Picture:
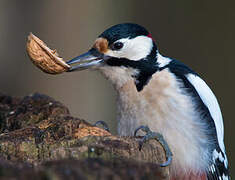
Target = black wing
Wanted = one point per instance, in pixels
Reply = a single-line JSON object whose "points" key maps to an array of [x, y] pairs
{"points": [[218, 170]]}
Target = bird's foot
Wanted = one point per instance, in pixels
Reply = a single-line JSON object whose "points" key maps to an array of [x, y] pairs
{"points": [[103, 124], [157, 136]]}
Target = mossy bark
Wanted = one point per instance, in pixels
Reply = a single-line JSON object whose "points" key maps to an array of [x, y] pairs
{"points": [[39, 137]]}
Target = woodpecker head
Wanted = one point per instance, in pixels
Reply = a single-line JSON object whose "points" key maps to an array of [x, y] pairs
{"points": [[127, 47]]}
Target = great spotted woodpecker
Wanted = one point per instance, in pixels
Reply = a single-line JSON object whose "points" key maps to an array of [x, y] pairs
{"points": [[163, 94]]}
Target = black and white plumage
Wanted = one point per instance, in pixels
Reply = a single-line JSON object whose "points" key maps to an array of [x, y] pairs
{"points": [[165, 95], [208, 106]]}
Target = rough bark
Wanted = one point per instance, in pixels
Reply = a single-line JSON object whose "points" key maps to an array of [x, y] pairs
{"points": [[40, 138]]}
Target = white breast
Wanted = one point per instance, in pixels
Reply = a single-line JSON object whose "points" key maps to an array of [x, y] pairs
{"points": [[166, 109]]}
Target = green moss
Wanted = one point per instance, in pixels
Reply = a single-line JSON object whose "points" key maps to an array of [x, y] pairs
{"points": [[29, 151]]}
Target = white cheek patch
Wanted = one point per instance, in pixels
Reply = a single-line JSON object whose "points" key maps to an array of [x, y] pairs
{"points": [[133, 49]]}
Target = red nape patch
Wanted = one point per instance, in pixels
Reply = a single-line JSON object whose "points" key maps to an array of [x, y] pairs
{"points": [[150, 36]]}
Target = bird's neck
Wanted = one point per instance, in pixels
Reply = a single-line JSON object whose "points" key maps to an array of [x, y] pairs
{"points": [[119, 76], [120, 71]]}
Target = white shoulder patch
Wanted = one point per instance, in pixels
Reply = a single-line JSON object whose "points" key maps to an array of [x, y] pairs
{"points": [[210, 101], [163, 61]]}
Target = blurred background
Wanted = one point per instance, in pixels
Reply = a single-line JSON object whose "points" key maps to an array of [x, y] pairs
{"points": [[199, 33]]}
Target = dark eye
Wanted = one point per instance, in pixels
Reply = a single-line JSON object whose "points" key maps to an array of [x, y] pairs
{"points": [[117, 45]]}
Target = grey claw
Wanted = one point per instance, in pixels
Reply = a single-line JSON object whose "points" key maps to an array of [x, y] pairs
{"points": [[104, 125], [143, 128], [167, 163], [157, 136]]}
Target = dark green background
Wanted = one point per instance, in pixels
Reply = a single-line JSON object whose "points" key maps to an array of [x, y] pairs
{"points": [[199, 33]]}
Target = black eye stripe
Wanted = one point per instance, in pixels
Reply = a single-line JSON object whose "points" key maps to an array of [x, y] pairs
{"points": [[117, 46]]}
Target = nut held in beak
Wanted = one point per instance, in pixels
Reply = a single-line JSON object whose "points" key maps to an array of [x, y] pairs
{"points": [[43, 57]]}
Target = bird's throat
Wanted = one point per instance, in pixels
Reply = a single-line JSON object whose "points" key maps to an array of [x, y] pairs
{"points": [[141, 71]]}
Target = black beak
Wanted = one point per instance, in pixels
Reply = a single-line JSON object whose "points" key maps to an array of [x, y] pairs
{"points": [[87, 60]]}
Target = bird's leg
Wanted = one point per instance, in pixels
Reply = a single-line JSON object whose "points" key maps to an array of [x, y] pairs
{"points": [[103, 124], [157, 136]]}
